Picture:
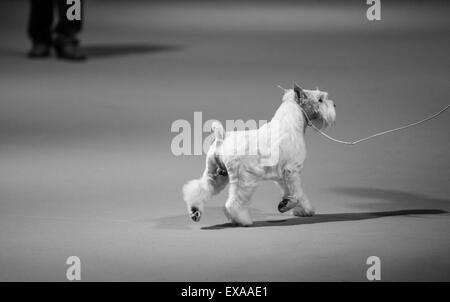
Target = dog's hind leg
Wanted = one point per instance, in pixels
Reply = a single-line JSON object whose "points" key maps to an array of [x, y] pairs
{"points": [[214, 179], [198, 191]]}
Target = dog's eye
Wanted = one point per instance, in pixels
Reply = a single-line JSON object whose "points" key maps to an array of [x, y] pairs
{"points": [[320, 100]]}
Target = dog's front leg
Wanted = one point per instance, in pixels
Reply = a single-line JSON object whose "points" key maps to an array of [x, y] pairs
{"points": [[296, 199], [283, 188], [304, 209]]}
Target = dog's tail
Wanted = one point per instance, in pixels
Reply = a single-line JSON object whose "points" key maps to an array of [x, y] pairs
{"points": [[219, 131]]}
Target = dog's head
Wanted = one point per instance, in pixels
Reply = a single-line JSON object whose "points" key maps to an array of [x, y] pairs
{"points": [[315, 104]]}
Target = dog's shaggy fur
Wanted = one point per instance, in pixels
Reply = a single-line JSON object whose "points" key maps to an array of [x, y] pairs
{"points": [[239, 158]]}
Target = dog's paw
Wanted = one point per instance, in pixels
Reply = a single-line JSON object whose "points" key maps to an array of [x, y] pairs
{"points": [[241, 222], [244, 224], [238, 218], [195, 214], [302, 212], [287, 204]]}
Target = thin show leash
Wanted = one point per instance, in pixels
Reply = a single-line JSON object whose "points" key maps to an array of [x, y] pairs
{"points": [[376, 134]]}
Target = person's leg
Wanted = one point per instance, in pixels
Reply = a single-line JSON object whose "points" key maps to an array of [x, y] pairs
{"points": [[65, 28], [67, 41], [39, 27]]}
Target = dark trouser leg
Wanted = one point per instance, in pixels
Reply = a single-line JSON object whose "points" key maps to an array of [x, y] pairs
{"points": [[67, 29], [40, 21], [66, 43]]}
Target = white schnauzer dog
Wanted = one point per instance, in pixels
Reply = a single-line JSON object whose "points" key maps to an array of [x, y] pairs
{"points": [[239, 158]]}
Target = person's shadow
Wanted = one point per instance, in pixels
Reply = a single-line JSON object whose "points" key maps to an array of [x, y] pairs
{"points": [[107, 50], [110, 50]]}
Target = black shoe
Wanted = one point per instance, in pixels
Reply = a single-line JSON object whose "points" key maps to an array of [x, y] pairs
{"points": [[69, 50], [39, 51]]}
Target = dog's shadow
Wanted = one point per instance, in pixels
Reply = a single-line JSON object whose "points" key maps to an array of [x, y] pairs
{"points": [[404, 203], [391, 198], [321, 218]]}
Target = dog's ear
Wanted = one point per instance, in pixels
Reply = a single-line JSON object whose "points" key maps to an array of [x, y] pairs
{"points": [[300, 94]]}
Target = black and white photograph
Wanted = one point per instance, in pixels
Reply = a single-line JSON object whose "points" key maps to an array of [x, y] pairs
{"points": [[206, 142]]}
